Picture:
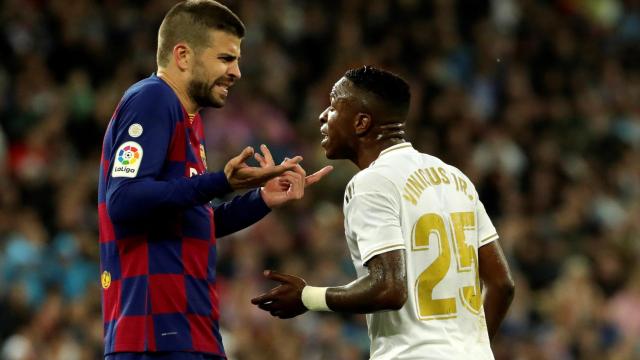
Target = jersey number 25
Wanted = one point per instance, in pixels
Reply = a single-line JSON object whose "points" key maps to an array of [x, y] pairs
{"points": [[466, 259]]}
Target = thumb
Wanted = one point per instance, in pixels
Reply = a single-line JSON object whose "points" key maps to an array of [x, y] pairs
{"points": [[276, 276]]}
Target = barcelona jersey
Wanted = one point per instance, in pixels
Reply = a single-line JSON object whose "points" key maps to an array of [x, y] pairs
{"points": [[157, 228]]}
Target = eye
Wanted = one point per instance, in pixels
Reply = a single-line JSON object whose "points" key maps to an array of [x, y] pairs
{"points": [[226, 59]]}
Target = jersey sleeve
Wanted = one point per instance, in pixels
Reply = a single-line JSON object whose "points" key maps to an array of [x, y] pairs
{"points": [[486, 231], [239, 213], [142, 132], [373, 215]]}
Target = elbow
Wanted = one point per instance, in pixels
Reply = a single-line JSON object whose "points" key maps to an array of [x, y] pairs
{"points": [[393, 296], [510, 289], [112, 209], [116, 208], [507, 288]]}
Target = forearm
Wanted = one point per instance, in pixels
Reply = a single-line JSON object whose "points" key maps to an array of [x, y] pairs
{"points": [[496, 303], [362, 296], [139, 199], [383, 288], [239, 213]]}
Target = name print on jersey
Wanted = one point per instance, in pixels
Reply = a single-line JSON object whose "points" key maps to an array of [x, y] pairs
{"points": [[128, 159], [421, 179]]}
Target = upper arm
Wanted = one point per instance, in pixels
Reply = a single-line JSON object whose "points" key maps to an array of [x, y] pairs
{"points": [[142, 133], [141, 136], [493, 266], [389, 268], [388, 273]]}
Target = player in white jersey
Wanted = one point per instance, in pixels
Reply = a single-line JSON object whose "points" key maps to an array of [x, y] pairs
{"points": [[421, 241]]}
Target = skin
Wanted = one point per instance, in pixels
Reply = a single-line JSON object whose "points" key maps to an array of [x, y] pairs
{"points": [[351, 133], [356, 127], [498, 285], [202, 79]]}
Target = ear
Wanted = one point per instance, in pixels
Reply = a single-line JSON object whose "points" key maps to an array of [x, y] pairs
{"points": [[182, 54], [362, 123]]}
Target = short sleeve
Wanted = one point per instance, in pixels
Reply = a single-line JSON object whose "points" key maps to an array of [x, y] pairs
{"points": [[486, 231], [373, 215]]}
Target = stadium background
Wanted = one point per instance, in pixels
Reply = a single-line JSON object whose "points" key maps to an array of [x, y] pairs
{"points": [[537, 101]]}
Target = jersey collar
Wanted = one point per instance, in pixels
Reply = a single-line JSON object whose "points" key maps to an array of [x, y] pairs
{"points": [[395, 147]]}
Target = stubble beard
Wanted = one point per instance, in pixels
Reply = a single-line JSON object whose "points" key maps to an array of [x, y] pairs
{"points": [[201, 93]]}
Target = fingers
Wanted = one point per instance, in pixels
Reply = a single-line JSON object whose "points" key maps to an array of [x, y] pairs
{"points": [[267, 297], [315, 177], [242, 157], [261, 160], [277, 276], [291, 162], [267, 154], [287, 165], [295, 186]]}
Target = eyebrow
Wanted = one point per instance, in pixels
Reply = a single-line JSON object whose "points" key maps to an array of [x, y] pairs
{"points": [[229, 56]]}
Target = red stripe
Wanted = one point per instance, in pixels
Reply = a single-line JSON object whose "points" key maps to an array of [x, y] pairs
{"points": [[105, 225]]}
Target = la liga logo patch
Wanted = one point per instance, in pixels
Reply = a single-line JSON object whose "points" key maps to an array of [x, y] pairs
{"points": [[128, 155], [128, 159]]}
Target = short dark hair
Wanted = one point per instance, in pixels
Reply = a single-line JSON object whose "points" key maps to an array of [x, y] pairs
{"points": [[392, 90], [190, 21]]}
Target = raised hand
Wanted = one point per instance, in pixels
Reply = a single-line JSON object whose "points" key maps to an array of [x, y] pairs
{"points": [[242, 176], [288, 186], [285, 300]]}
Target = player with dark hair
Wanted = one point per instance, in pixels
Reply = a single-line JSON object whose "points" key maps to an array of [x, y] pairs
{"points": [[157, 230], [422, 244]]}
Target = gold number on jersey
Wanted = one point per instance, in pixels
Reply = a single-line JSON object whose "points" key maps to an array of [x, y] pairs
{"points": [[467, 260], [429, 307]]}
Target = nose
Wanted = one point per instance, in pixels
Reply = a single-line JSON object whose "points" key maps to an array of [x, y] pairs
{"points": [[323, 116], [234, 70]]}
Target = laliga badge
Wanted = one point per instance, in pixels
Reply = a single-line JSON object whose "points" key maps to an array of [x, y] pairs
{"points": [[135, 130], [127, 160]]}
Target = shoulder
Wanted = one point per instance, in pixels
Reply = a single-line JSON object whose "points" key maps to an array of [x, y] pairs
{"points": [[372, 180], [150, 93]]}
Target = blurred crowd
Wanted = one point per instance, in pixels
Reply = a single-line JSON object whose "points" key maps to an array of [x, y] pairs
{"points": [[538, 101]]}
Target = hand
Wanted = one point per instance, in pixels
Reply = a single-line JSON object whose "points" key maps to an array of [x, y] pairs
{"points": [[285, 300], [290, 185], [242, 176]]}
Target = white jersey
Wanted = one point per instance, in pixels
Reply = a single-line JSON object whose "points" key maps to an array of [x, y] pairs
{"points": [[415, 202]]}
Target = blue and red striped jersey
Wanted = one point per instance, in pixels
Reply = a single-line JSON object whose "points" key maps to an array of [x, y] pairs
{"points": [[157, 228]]}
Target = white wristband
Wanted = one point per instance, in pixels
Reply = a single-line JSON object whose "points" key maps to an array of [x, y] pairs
{"points": [[315, 298]]}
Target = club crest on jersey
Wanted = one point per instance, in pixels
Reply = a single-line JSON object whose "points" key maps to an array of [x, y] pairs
{"points": [[128, 159], [105, 279]]}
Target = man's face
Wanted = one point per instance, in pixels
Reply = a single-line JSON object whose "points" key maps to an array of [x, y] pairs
{"points": [[215, 70], [336, 122]]}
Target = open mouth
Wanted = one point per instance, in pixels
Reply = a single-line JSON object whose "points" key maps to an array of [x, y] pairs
{"points": [[223, 88], [325, 136]]}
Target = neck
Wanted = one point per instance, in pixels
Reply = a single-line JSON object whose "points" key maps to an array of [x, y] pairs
{"points": [[369, 152], [179, 88]]}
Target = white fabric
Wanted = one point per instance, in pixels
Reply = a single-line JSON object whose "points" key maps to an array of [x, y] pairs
{"points": [[381, 212], [315, 298]]}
